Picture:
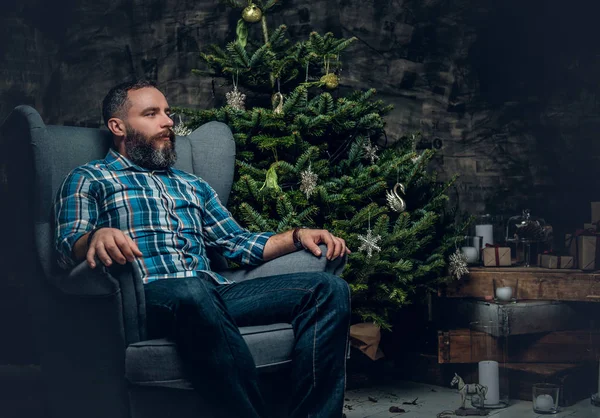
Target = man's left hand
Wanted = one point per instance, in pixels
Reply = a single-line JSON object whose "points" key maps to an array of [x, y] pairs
{"points": [[311, 238]]}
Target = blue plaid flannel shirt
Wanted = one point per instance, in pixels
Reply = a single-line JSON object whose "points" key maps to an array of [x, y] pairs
{"points": [[171, 215]]}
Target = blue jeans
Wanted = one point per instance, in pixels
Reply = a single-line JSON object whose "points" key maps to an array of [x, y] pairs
{"points": [[203, 319]]}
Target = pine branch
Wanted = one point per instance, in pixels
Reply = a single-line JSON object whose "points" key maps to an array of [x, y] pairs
{"points": [[254, 220]]}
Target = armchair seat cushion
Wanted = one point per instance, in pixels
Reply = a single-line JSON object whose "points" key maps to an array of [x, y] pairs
{"points": [[157, 363]]}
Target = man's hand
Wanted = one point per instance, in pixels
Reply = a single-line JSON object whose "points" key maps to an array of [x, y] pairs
{"points": [[111, 244], [311, 238]]}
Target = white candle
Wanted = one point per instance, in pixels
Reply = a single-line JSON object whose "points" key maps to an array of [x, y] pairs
{"points": [[470, 253], [504, 293], [488, 376], [544, 402], [477, 243], [487, 232]]}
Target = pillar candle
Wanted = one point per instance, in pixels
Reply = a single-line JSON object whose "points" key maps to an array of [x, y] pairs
{"points": [[487, 232], [488, 376]]}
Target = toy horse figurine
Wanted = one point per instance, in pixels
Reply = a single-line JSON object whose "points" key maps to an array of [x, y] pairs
{"points": [[468, 389]]}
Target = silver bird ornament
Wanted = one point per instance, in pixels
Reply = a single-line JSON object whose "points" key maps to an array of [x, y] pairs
{"points": [[395, 202]]}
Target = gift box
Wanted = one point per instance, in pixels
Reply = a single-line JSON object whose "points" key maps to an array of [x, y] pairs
{"points": [[553, 261], [570, 246], [595, 212], [585, 249], [496, 256]]}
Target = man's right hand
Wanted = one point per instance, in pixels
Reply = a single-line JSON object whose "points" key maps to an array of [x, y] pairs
{"points": [[110, 245]]}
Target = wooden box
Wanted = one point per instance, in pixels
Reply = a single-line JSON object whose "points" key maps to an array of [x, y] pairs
{"points": [[576, 380], [532, 283], [523, 317], [458, 346]]}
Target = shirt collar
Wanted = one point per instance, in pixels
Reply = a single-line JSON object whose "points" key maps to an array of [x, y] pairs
{"points": [[118, 162]]}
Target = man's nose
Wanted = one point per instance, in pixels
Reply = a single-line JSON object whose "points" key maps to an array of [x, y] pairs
{"points": [[168, 121]]}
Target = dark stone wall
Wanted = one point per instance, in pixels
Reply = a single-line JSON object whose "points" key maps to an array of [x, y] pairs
{"points": [[508, 91]]}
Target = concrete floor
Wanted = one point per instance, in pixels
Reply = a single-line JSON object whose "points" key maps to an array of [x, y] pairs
{"points": [[20, 393], [433, 400]]}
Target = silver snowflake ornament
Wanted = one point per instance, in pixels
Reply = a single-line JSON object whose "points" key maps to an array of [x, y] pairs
{"points": [[180, 129], [236, 99], [369, 243], [370, 152], [308, 182], [458, 265]]}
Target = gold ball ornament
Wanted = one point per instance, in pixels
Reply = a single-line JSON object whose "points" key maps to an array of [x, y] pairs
{"points": [[252, 13], [330, 80]]}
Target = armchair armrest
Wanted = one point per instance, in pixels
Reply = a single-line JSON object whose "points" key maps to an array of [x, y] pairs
{"points": [[85, 281], [89, 317], [297, 262], [123, 282]]}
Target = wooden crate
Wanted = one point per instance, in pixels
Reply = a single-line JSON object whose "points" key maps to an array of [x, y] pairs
{"points": [[534, 283], [523, 317], [456, 346], [577, 381]]}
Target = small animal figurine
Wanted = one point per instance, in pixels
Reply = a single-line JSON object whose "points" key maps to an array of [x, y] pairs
{"points": [[468, 389]]}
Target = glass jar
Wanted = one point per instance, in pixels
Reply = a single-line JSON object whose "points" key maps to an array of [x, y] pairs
{"points": [[524, 232]]}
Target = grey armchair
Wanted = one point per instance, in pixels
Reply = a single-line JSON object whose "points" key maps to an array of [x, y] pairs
{"points": [[90, 324]]}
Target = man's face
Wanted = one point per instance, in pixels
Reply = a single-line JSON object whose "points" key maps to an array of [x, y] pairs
{"points": [[149, 139]]}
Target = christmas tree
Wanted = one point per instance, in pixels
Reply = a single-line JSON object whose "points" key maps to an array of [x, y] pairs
{"points": [[309, 156]]}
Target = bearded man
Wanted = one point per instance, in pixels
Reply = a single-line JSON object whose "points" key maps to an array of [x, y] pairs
{"points": [[134, 207]]}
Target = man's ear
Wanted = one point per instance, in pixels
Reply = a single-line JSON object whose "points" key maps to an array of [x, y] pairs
{"points": [[117, 127]]}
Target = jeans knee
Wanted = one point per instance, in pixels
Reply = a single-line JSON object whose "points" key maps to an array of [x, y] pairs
{"points": [[195, 304], [336, 290]]}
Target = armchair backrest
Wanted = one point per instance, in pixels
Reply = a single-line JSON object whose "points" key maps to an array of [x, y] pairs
{"points": [[53, 151]]}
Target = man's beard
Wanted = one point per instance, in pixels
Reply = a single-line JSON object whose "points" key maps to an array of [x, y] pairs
{"points": [[142, 150]]}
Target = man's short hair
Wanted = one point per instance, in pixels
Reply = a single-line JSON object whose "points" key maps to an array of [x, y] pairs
{"points": [[115, 104]]}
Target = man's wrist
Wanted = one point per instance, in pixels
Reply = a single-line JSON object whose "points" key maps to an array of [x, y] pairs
{"points": [[91, 235], [296, 239]]}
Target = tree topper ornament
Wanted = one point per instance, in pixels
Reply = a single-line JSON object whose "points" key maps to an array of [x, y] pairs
{"points": [[251, 13]]}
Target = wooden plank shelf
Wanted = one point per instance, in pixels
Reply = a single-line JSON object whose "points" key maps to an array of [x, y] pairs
{"points": [[531, 283], [463, 346]]}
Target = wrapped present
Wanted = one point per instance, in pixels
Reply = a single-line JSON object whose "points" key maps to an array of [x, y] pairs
{"points": [[584, 246], [570, 246], [595, 212], [495, 256], [555, 261]]}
